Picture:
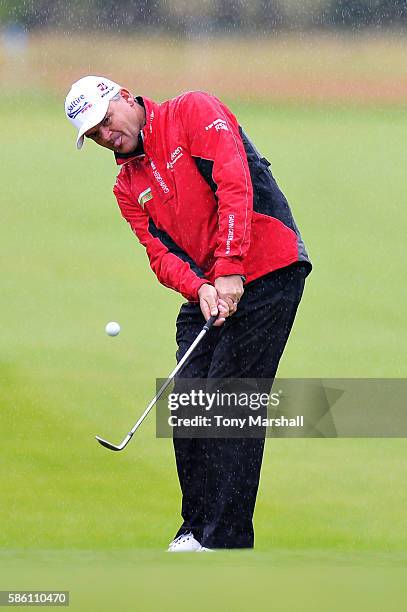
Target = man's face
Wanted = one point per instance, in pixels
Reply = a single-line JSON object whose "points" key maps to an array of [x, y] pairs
{"points": [[119, 129]]}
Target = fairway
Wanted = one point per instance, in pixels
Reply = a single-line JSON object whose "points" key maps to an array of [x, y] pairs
{"points": [[74, 515], [152, 580]]}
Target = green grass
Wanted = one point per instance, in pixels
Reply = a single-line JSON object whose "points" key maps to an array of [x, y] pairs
{"points": [[150, 580], [69, 509]]}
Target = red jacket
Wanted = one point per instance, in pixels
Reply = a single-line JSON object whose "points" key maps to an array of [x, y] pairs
{"points": [[187, 193]]}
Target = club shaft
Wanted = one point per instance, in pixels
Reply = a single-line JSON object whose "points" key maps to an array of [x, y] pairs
{"points": [[155, 399], [169, 379]]}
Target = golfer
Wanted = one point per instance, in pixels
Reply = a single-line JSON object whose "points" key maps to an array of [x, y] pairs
{"points": [[203, 202]]}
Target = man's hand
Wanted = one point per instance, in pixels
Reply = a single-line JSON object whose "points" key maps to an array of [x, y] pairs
{"points": [[230, 290], [211, 304]]}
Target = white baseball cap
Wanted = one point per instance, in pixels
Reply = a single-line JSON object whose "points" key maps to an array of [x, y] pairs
{"points": [[87, 102]]}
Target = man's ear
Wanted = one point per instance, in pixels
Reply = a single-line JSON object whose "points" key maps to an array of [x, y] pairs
{"points": [[127, 96]]}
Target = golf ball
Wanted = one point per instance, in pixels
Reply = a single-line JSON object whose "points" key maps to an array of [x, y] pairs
{"points": [[112, 328]]}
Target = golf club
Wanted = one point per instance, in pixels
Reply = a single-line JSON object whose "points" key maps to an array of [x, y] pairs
{"points": [[155, 399]]}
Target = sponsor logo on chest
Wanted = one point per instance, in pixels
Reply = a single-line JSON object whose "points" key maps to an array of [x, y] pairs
{"points": [[175, 155], [159, 178], [144, 197]]}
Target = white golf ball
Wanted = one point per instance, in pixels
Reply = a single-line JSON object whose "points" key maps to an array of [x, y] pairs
{"points": [[112, 328]]}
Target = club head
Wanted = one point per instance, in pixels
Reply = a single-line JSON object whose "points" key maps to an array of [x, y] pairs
{"points": [[107, 444]]}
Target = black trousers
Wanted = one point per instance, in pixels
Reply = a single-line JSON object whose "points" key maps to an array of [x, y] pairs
{"points": [[219, 478]]}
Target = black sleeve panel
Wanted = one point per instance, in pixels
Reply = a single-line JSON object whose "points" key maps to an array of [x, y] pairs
{"points": [[205, 167]]}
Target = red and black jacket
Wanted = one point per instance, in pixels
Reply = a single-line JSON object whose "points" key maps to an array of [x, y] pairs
{"points": [[201, 199]]}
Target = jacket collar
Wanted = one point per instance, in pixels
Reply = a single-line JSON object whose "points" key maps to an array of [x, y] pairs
{"points": [[144, 135]]}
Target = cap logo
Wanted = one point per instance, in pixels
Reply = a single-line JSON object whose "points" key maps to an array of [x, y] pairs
{"points": [[76, 111], [104, 89], [72, 111]]}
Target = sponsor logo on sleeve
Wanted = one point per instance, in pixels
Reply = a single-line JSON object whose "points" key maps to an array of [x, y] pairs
{"points": [[231, 233], [218, 124]]}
